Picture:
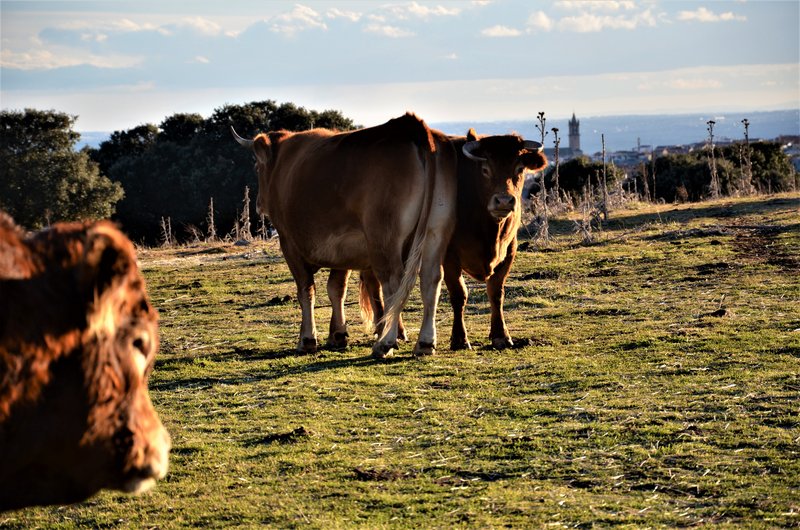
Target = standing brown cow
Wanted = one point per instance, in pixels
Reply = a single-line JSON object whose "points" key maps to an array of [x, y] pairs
{"points": [[380, 198], [484, 242], [78, 338]]}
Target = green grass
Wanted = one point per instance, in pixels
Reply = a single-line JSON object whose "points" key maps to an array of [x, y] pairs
{"points": [[631, 399]]}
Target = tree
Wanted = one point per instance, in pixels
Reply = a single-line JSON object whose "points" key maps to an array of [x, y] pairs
{"points": [[44, 178], [132, 142], [578, 173], [180, 128], [174, 170]]}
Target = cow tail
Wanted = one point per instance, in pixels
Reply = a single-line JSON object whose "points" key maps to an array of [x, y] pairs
{"points": [[395, 304], [365, 304]]}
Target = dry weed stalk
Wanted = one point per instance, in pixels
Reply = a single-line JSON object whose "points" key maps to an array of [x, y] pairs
{"points": [[167, 238]]}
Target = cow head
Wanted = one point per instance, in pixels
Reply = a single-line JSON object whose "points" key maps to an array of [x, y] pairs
{"points": [[78, 417], [121, 344], [262, 149], [503, 160]]}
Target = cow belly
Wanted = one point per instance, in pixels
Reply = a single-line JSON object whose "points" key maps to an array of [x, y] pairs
{"points": [[345, 250], [481, 265]]}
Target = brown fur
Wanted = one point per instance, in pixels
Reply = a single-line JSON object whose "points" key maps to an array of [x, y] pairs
{"points": [[484, 245], [379, 198], [78, 338]]}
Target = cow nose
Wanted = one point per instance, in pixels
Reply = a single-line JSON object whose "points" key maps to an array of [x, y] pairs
{"points": [[504, 202]]}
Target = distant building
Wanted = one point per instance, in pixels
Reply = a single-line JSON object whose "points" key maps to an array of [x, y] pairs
{"points": [[574, 134], [574, 148]]}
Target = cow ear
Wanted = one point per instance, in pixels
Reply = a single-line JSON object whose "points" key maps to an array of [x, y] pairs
{"points": [[262, 148], [472, 135], [107, 255], [534, 160]]}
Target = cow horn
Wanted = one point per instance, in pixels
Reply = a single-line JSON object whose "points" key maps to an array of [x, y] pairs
{"points": [[242, 141], [530, 145], [469, 149]]}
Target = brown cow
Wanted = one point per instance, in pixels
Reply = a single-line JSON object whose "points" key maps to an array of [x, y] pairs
{"points": [[380, 198], [78, 338], [484, 242]]}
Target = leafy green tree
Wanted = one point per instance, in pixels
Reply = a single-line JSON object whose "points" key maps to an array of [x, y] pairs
{"points": [[576, 174], [175, 169], [132, 142], [686, 177], [180, 128], [44, 179]]}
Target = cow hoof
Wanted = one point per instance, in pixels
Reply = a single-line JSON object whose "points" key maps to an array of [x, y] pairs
{"points": [[382, 351], [338, 340], [307, 345], [460, 345], [501, 343], [422, 349]]}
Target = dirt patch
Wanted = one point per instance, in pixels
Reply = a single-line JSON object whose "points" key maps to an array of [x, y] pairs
{"points": [[760, 243]]}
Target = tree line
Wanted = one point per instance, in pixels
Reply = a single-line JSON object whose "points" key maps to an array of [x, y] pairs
{"points": [[142, 175], [186, 173]]}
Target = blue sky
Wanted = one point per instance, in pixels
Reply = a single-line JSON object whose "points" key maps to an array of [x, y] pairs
{"points": [[120, 63]]}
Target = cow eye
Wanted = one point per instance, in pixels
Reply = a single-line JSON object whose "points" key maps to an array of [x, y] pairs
{"points": [[486, 171], [138, 344], [141, 346]]}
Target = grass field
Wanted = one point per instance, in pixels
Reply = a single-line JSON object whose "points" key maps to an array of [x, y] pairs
{"points": [[655, 383]]}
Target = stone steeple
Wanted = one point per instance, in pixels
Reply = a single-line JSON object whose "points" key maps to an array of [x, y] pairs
{"points": [[574, 134]]}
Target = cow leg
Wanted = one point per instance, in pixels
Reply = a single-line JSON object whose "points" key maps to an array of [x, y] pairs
{"points": [[304, 278], [430, 288], [373, 287], [457, 289], [389, 283], [495, 290], [337, 292]]}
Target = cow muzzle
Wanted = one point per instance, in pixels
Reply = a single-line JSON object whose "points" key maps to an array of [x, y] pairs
{"points": [[150, 463], [502, 205]]}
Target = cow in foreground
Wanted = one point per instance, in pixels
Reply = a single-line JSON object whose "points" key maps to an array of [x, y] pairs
{"points": [[380, 198], [78, 338], [484, 242]]}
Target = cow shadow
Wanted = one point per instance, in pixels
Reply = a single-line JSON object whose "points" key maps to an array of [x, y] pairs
{"points": [[321, 362]]}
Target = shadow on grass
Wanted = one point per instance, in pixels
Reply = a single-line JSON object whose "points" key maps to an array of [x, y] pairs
{"points": [[682, 214], [685, 213], [320, 364]]}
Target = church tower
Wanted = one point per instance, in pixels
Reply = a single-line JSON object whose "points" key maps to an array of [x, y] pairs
{"points": [[574, 134]]}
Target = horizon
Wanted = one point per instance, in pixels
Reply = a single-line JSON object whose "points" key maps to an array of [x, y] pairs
{"points": [[117, 65], [784, 122]]}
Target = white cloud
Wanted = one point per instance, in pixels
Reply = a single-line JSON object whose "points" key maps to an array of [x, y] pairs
{"points": [[703, 14], [96, 37], [694, 84], [203, 25], [36, 59], [501, 31], [404, 12], [352, 16], [438, 11], [596, 5], [540, 21], [298, 19], [451, 56], [127, 25], [588, 22], [388, 31], [199, 59]]}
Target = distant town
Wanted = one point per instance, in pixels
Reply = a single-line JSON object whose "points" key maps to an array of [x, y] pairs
{"points": [[643, 153], [631, 140]]}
